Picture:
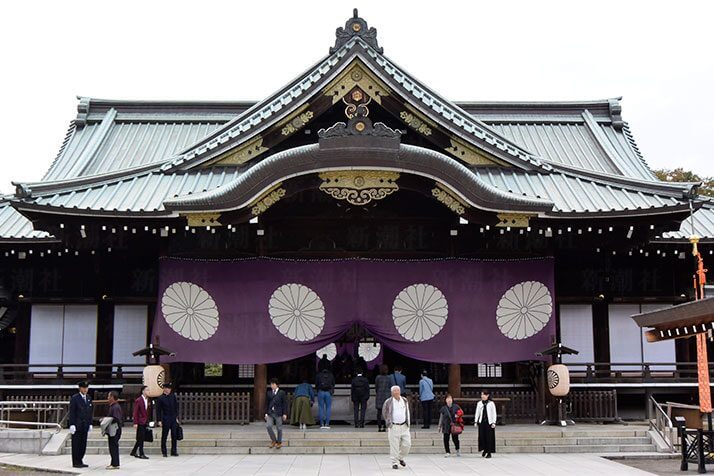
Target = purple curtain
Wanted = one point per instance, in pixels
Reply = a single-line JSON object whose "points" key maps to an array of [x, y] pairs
{"points": [[267, 310]]}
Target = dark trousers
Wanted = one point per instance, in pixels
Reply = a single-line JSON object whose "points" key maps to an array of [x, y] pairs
{"points": [[166, 427], [114, 448], [139, 445], [454, 438], [380, 420], [79, 447], [426, 411], [360, 409]]}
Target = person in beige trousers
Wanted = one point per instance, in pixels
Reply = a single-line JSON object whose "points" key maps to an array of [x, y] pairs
{"points": [[395, 412]]}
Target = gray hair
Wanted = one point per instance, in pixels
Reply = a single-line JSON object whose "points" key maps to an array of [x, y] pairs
{"points": [[395, 387]]}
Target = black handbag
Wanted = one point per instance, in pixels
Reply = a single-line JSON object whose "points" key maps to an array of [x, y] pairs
{"points": [[179, 432], [148, 435]]}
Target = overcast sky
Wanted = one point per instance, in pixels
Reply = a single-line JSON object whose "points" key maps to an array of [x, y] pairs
{"points": [[658, 55]]}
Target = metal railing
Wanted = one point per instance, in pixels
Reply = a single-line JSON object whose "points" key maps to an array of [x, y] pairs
{"points": [[661, 423], [37, 413]]}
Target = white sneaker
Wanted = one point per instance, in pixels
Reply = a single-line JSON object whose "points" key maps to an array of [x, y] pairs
{"points": [[322, 427], [327, 427], [447, 455], [458, 453]]}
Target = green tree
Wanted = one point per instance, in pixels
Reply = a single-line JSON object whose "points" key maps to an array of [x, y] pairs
{"points": [[681, 175]]}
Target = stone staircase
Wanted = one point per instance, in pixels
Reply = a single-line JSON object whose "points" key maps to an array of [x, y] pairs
{"points": [[344, 440]]}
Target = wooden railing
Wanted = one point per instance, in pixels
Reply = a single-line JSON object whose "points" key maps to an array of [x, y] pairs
{"points": [[63, 373], [592, 405], [634, 372], [229, 407]]}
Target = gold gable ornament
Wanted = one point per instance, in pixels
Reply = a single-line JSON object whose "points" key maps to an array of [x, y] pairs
{"points": [[359, 187], [448, 199]]}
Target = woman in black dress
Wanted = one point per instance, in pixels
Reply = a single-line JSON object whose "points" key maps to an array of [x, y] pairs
{"points": [[486, 422]]}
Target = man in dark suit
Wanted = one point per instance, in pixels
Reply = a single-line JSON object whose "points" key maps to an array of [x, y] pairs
{"points": [[80, 423], [276, 411], [167, 411], [359, 394], [142, 410]]}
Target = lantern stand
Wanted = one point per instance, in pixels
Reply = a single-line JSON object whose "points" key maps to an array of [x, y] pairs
{"points": [[153, 355], [556, 351]]}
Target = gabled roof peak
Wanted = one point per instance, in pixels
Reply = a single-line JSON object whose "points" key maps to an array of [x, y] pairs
{"points": [[356, 26]]}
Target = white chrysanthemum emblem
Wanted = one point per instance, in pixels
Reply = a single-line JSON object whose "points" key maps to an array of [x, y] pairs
{"points": [[297, 312], [420, 312], [190, 311], [330, 350], [369, 350], [524, 310]]}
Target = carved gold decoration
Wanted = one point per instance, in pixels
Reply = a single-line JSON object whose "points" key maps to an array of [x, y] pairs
{"points": [[203, 219], [514, 220], [448, 199], [243, 153], [468, 154], [357, 74], [415, 123], [269, 199], [359, 187], [297, 123]]}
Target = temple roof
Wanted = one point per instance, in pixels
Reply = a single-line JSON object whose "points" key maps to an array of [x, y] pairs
{"points": [[127, 157]]}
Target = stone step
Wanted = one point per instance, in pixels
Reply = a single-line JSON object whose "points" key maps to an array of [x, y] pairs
{"points": [[287, 450]]}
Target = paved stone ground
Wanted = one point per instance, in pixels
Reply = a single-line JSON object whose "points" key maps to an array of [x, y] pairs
{"points": [[669, 467], [329, 465]]}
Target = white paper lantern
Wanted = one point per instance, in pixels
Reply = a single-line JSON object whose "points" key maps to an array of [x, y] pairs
{"points": [[558, 380], [153, 377]]}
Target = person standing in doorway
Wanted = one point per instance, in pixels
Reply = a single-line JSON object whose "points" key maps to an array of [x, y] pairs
{"points": [[399, 379], [325, 383], [382, 384], [167, 408], [117, 420], [276, 412], [426, 396], [396, 416], [451, 423], [80, 423], [485, 419], [359, 393], [142, 410]]}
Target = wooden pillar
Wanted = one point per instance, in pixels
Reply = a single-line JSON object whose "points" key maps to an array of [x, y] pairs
{"points": [[260, 384], [455, 380], [22, 333]]}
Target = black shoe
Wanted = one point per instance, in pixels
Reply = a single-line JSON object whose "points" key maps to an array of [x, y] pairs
{"points": [[401, 461], [132, 454], [424, 427], [84, 465], [488, 455], [174, 454], [77, 466], [164, 455], [483, 454], [394, 466], [143, 457]]}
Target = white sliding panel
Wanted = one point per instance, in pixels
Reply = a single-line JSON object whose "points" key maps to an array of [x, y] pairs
{"points": [[46, 336], [662, 351], [80, 336], [129, 334], [576, 332], [625, 336]]}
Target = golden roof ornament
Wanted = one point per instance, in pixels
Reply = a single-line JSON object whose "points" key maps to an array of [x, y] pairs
{"points": [[356, 26]]}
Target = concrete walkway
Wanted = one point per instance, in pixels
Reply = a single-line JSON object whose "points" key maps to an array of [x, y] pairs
{"points": [[336, 465]]}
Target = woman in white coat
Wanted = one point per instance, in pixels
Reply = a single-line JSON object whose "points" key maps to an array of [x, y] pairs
{"points": [[486, 422]]}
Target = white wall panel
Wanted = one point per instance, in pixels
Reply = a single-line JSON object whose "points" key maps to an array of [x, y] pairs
{"points": [[46, 329], [663, 351], [130, 323], [625, 336], [576, 331], [80, 336]]}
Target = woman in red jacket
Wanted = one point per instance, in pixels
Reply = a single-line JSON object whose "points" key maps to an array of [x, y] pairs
{"points": [[142, 410]]}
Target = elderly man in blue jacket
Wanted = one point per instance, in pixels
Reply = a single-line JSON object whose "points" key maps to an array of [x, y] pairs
{"points": [[426, 396]]}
